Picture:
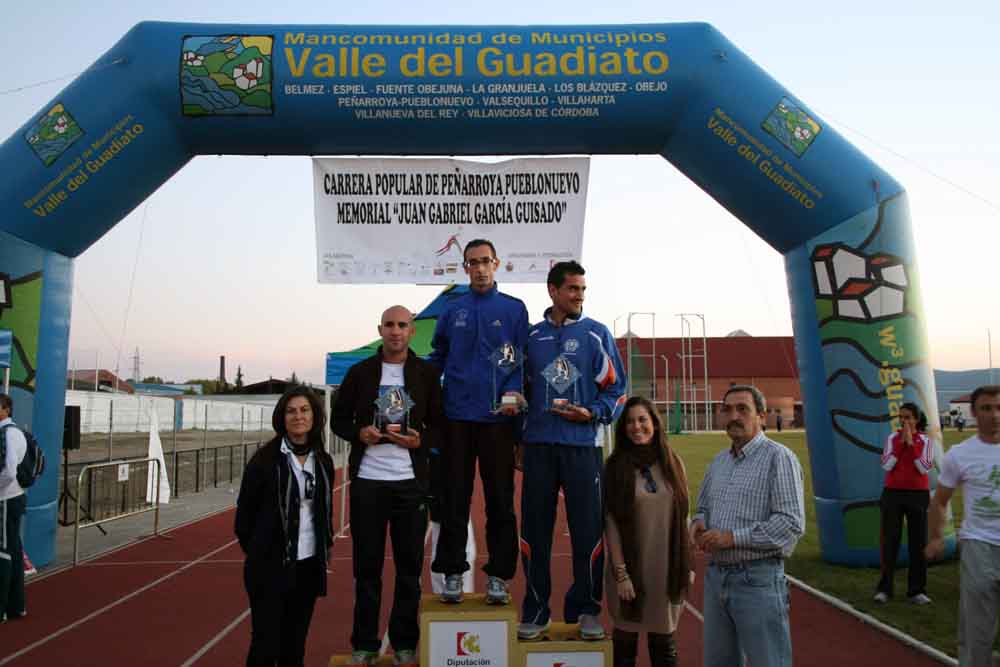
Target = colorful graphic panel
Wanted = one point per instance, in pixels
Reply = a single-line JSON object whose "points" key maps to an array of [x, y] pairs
{"points": [[53, 134], [227, 75]]}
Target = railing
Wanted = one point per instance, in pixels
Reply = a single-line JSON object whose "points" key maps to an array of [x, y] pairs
{"points": [[115, 491], [191, 471]]}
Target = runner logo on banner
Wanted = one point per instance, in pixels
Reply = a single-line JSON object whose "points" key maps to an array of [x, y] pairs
{"points": [[407, 221]]}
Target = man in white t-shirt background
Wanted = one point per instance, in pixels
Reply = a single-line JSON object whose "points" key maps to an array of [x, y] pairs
{"points": [[389, 408], [974, 464]]}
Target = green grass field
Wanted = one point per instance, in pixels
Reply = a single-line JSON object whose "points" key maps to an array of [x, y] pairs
{"points": [[936, 624]]}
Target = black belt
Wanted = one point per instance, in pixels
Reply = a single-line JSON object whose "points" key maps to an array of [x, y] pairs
{"points": [[746, 563]]}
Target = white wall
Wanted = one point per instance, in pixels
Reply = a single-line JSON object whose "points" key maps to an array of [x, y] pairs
{"points": [[131, 412]]}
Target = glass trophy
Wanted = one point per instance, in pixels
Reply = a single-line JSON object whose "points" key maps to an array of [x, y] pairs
{"points": [[393, 407], [561, 388], [504, 361]]}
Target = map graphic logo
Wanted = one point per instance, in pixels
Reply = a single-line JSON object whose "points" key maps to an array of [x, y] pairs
{"points": [[792, 126], [226, 75], [54, 132]]}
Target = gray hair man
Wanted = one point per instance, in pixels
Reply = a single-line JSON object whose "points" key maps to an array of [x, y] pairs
{"points": [[750, 514]]}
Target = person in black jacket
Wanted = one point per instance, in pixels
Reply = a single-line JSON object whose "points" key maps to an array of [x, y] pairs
{"points": [[284, 526], [389, 472]]}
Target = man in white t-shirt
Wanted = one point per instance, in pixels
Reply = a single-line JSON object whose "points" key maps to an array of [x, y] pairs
{"points": [[974, 464], [389, 408]]}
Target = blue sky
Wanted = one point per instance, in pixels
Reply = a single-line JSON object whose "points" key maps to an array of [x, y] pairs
{"points": [[912, 84]]}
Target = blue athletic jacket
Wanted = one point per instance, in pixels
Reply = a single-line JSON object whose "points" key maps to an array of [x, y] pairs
{"points": [[589, 348], [470, 329]]}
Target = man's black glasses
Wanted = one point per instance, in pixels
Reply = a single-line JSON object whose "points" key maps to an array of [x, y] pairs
{"points": [[647, 475], [310, 490]]}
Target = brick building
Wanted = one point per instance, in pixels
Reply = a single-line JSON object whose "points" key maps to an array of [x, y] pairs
{"points": [[767, 362]]}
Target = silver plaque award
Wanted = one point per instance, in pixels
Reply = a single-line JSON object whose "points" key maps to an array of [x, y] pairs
{"points": [[561, 383], [393, 407], [505, 360]]}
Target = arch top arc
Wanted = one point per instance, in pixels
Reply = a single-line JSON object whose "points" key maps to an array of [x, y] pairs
{"points": [[169, 91]]}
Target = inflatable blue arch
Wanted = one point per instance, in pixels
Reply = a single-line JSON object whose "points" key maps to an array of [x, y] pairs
{"points": [[169, 91]]}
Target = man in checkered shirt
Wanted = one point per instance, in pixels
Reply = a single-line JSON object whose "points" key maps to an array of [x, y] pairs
{"points": [[749, 516]]}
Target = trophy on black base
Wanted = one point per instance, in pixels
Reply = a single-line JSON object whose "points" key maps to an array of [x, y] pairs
{"points": [[561, 390], [392, 408], [504, 361]]}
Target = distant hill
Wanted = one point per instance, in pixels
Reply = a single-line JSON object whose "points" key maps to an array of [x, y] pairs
{"points": [[951, 384]]}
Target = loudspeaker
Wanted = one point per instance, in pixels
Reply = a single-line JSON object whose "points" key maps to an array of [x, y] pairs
{"points": [[71, 427]]}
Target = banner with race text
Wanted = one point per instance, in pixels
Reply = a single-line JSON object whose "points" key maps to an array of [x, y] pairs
{"points": [[407, 220]]}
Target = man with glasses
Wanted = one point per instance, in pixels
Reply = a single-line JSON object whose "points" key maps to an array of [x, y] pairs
{"points": [[750, 514], [576, 383], [388, 407], [473, 342]]}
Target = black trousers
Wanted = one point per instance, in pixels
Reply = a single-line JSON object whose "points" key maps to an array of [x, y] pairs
{"points": [[897, 504], [280, 622], [11, 563], [493, 445], [400, 507]]}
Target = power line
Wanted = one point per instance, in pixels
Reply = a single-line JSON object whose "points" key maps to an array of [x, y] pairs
{"points": [[94, 68]]}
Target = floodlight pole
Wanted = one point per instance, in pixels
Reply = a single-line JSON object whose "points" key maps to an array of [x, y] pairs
{"points": [[652, 353]]}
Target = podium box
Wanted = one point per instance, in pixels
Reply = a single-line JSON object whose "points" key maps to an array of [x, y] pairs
{"points": [[562, 644], [469, 634], [341, 660]]}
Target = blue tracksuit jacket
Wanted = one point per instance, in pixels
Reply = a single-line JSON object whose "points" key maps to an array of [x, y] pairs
{"points": [[589, 347], [471, 328]]}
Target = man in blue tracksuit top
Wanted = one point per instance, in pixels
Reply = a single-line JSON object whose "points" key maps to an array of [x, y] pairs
{"points": [[479, 344], [575, 382]]}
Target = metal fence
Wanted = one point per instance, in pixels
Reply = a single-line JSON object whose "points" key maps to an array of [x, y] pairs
{"points": [[116, 490], [188, 471]]}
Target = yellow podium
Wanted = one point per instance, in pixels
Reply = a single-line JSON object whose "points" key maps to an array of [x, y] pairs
{"points": [[475, 634], [469, 634], [562, 644]]}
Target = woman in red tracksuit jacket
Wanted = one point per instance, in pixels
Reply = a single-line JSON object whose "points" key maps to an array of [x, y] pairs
{"points": [[907, 459]]}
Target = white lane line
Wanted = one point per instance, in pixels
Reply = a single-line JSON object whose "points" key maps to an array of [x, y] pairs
{"points": [[68, 566], [216, 639], [94, 614], [694, 611], [161, 562]]}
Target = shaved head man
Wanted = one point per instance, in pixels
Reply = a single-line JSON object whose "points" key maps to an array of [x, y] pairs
{"points": [[389, 408]]}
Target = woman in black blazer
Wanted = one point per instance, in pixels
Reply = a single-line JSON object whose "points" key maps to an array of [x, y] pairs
{"points": [[284, 526]]}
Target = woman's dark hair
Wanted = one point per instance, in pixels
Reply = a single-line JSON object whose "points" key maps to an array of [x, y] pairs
{"points": [[674, 473], [917, 413], [319, 416], [620, 502]]}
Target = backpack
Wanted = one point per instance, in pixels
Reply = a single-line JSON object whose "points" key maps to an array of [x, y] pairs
{"points": [[32, 465]]}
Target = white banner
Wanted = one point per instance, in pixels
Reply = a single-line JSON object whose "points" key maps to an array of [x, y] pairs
{"points": [[407, 221]]}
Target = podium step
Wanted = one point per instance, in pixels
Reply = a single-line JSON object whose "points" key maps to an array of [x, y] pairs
{"points": [[469, 634], [561, 643], [341, 660]]}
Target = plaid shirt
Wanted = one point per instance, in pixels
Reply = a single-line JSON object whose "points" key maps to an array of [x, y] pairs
{"points": [[757, 494]]}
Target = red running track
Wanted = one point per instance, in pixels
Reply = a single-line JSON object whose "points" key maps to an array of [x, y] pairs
{"points": [[179, 601]]}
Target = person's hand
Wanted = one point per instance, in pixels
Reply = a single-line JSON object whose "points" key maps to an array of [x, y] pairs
{"points": [[411, 440], [934, 549], [370, 435], [695, 531], [907, 435], [512, 409], [626, 591], [573, 413], [717, 540]]}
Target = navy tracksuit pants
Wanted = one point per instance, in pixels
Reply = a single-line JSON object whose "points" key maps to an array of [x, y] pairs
{"points": [[577, 471]]}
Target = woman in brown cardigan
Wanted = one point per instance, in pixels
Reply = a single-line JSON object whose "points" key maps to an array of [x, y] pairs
{"points": [[646, 505]]}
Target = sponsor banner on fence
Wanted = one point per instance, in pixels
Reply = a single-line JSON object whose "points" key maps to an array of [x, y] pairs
{"points": [[407, 221]]}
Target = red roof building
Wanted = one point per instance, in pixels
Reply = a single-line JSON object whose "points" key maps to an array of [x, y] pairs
{"points": [[767, 362], [107, 381]]}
